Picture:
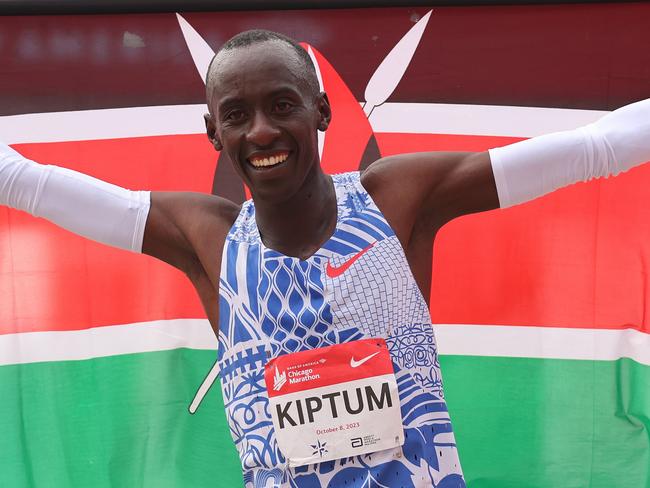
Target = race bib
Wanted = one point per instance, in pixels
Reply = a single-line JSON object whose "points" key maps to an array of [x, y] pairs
{"points": [[334, 402]]}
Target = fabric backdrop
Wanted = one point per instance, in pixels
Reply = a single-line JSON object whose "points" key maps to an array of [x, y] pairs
{"points": [[543, 334]]}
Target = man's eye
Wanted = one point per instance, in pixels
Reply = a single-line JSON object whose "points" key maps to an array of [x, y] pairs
{"points": [[283, 106], [234, 115]]}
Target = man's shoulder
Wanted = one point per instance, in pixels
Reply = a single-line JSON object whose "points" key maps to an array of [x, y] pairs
{"points": [[225, 209], [204, 204], [194, 213], [379, 173]]}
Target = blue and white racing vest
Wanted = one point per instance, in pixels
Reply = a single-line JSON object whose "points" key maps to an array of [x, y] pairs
{"points": [[358, 285]]}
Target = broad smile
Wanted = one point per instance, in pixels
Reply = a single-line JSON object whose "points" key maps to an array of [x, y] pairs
{"points": [[265, 161]]}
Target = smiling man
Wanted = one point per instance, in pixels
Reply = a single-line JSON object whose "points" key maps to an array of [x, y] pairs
{"points": [[316, 286]]}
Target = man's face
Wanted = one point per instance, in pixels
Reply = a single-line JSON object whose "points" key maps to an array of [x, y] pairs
{"points": [[265, 117]]}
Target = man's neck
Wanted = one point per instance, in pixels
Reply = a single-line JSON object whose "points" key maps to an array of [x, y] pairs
{"points": [[300, 225]]}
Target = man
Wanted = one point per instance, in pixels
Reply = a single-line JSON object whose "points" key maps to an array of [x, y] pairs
{"points": [[320, 263]]}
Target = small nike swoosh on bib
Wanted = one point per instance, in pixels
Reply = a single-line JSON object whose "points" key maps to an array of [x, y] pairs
{"points": [[356, 364], [334, 271]]}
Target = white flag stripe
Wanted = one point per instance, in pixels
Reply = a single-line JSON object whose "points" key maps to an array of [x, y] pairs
{"points": [[415, 118], [457, 340], [113, 123], [543, 342], [159, 335], [480, 120]]}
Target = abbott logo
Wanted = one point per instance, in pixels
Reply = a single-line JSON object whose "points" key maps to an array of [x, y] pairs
{"points": [[279, 379]]}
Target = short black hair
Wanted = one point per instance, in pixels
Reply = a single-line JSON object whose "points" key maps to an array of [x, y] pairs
{"points": [[256, 36]]}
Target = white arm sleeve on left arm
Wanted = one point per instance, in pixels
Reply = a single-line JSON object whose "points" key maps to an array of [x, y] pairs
{"points": [[532, 168], [77, 202]]}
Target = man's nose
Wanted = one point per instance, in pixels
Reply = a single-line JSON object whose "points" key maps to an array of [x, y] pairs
{"points": [[262, 131]]}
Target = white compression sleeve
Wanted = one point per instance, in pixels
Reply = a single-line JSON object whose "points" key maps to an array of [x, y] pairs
{"points": [[79, 203], [532, 168]]}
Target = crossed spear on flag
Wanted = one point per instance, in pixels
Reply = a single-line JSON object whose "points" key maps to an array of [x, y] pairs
{"points": [[380, 87], [382, 83]]}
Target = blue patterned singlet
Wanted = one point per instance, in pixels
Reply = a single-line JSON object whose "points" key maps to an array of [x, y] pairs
{"points": [[271, 304]]}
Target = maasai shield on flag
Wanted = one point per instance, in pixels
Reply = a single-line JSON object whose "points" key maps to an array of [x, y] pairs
{"points": [[544, 334]]}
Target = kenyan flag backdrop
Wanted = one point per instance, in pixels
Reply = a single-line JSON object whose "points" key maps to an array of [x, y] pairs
{"points": [[544, 329]]}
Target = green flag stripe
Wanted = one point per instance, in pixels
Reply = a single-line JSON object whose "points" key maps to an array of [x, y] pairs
{"points": [[117, 421], [528, 423], [123, 421]]}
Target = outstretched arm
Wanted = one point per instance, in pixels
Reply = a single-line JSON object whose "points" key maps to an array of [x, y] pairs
{"points": [[437, 187], [164, 225], [614, 144], [79, 203]]}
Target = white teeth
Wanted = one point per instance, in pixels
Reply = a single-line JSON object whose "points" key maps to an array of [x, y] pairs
{"points": [[270, 161]]}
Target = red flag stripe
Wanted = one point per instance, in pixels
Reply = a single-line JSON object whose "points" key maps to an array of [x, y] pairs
{"points": [[576, 258], [53, 280]]}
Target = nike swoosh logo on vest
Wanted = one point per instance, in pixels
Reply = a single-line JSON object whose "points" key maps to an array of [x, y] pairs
{"points": [[334, 271]]}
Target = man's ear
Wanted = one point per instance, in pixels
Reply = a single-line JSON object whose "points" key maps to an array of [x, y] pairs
{"points": [[325, 111], [211, 130]]}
